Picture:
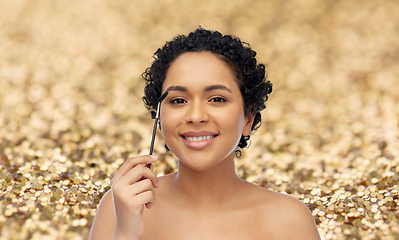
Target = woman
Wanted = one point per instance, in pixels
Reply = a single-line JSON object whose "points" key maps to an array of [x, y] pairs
{"points": [[216, 92]]}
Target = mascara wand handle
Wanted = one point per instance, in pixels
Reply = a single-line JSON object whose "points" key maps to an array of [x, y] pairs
{"points": [[154, 131]]}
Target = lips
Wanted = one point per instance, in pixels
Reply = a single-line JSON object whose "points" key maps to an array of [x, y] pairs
{"points": [[198, 139]]}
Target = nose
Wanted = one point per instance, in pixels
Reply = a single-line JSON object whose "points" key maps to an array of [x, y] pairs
{"points": [[197, 113]]}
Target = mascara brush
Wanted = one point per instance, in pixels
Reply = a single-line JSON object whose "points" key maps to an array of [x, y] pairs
{"points": [[154, 130]]}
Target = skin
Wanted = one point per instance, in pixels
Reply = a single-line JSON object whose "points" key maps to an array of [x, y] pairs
{"points": [[205, 199]]}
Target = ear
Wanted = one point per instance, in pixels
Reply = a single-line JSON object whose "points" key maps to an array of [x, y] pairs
{"points": [[249, 120]]}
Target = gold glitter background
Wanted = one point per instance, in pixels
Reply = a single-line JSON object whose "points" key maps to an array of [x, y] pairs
{"points": [[71, 109]]}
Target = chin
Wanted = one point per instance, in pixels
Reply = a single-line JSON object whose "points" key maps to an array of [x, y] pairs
{"points": [[204, 159], [202, 163], [197, 167]]}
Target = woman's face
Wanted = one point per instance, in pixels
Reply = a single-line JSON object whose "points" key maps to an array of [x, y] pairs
{"points": [[202, 118]]}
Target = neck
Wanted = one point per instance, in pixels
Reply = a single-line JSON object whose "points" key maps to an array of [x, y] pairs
{"points": [[207, 189]]}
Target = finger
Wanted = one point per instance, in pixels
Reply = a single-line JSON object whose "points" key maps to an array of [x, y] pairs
{"points": [[130, 163], [149, 205], [142, 186], [129, 192], [138, 173], [151, 166], [146, 198]]}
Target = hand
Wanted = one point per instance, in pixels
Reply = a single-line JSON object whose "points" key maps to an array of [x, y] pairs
{"points": [[133, 188]]}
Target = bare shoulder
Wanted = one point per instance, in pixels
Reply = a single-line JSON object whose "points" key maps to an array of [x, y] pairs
{"points": [[104, 222], [288, 217]]}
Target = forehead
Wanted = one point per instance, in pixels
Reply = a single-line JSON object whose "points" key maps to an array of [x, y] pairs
{"points": [[199, 69]]}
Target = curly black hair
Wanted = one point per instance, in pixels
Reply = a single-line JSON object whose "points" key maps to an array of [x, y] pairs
{"points": [[250, 76]]}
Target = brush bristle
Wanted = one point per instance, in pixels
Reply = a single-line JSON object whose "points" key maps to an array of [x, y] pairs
{"points": [[163, 97]]}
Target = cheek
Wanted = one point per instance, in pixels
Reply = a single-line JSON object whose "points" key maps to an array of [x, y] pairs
{"points": [[164, 123], [232, 118], [168, 121]]}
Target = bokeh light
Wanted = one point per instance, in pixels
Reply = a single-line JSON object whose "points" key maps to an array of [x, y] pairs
{"points": [[71, 109]]}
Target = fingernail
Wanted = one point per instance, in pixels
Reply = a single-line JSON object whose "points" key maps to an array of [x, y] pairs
{"points": [[154, 157]]}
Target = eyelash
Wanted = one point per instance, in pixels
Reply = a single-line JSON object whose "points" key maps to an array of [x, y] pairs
{"points": [[175, 100], [219, 98]]}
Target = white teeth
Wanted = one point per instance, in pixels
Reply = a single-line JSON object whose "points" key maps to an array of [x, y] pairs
{"points": [[198, 139]]}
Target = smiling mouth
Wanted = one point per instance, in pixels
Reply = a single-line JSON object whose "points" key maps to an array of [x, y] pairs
{"points": [[199, 139]]}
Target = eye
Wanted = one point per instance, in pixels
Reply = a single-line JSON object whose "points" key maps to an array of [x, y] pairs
{"points": [[178, 101], [217, 99]]}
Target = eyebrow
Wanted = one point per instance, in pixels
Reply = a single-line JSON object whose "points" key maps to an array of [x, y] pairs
{"points": [[177, 88], [207, 89]]}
